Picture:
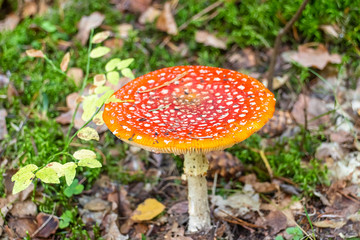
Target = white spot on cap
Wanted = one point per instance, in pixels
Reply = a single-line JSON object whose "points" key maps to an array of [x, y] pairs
{"points": [[241, 87]]}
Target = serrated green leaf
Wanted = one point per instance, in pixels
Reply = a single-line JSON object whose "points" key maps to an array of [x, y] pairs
{"points": [[88, 133], [99, 52], [69, 172], [113, 77], [126, 72], [89, 106], [65, 219], [22, 181], [48, 175], [124, 63], [28, 168], [112, 64], [89, 162], [58, 167], [103, 98], [84, 153], [101, 36]]}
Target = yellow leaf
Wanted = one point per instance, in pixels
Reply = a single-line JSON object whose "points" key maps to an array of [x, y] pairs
{"points": [[111, 65], [84, 154], [48, 175], [113, 77], [99, 52], [89, 162], [69, 172], [147, 210], [88, 133], [58, 168], [99, 80], [89, 106], [35, 53], [98, 120], [101, 36], [126, 72], [65, 62]]}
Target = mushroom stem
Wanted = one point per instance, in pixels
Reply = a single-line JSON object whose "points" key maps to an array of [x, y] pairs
{"points": [[195, 168]]}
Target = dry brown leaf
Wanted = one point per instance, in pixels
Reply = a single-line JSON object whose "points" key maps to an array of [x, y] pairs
{"points": [[124, 30], [9, 23], [245, 58], [35, 53], [87, 23], [314, 57], [147, 210], [3, 129], [149, 15], [101, 36], [111, 228], [209, 39], [114, 43], [331, 30], [29, 9], [49, 228], [76, 74], [65, 62], [277, 221], [22, 226], [24, 209], [97, 205], [135, 6], [166, 21], [329, 224]]}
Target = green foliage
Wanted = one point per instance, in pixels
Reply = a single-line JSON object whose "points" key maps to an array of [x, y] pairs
{"points": [[295, 232], [74, 189]]}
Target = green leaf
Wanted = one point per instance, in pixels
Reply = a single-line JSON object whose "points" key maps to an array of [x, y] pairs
{"points": [[23, 181], [113, 77], [112, 64], [69, 172], [99, 52], [65, 219], [28, 168], [48, 175], [124, 63], [103, 98], [101, 36], [74, 189], [126, 72], [102, 89], [58, 167], [89, 106], [84, 153], [89, 162]]}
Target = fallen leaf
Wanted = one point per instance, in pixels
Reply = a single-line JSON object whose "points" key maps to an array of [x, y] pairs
{"points": [[35, 53], [245, 58], [329, 224], [24, 209], [124, 30], [277, 221], [331, 30], [76, 74], [22, 226], [65, 62], [100, 37], [29, 9], [314, 57], [87, 23], [149, 15], [209, 39], [9, 23], [88, 133], [135, 6], [3, 129], [166, 21], [114, 43], [52, 224], [112, 231], [179, 208], [148, 210], [97, 205]]}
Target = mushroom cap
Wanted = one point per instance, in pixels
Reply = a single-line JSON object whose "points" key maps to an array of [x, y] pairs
{"points": [[189, 109]]}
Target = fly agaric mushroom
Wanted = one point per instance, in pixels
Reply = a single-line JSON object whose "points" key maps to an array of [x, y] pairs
{"points": [[190, 110]]}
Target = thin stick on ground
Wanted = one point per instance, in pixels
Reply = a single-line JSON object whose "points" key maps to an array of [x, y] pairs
{"points": [[271, 70], [44, 224]]}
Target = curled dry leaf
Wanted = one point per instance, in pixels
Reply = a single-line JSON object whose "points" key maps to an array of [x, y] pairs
{"points": [[87, 23], [65, 62], [49, 228], [9, 23], [76, 74], [3, 129], [149, 15], [147, 210], [329, 224], [35, 53], [313, 57], [209, 39], [166, 21], [88, 133]]}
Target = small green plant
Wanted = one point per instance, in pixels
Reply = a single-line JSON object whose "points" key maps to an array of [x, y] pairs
{"points": [[75, 188], [296, 233]]}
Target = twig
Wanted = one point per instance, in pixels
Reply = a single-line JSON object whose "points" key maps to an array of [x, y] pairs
{"points": [[239, 221], [44, 224], [165, 84], [270, 73]]}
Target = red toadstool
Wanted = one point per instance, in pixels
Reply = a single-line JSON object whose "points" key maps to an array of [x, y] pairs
{"points": [[190, 110]]}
